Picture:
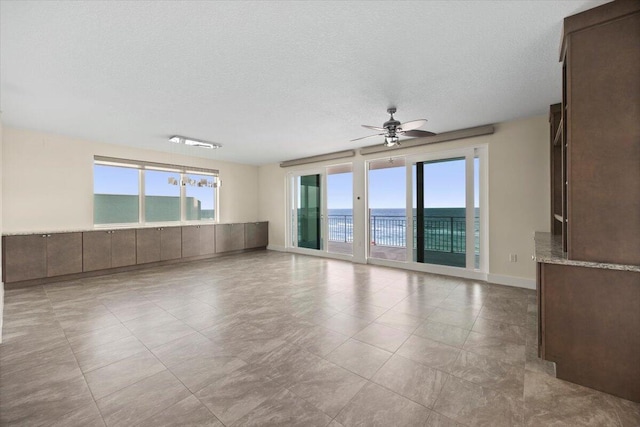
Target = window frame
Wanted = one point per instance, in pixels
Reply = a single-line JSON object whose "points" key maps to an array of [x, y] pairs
{"points": [[183, 171]]}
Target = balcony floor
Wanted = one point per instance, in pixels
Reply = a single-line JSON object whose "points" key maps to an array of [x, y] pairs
{"points": [[395, 253]]}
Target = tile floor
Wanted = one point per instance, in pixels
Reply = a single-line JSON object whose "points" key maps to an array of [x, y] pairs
{"points": [[267, 338]]}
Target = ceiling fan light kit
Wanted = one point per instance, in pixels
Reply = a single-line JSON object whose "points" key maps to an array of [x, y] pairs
{"points": [[393, 130], [177, 139]]}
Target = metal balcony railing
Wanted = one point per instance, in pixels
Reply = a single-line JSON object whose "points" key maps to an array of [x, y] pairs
{"points": [[340, 228], [442, 234]]}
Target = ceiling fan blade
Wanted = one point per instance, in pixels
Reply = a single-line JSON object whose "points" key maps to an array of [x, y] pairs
{"points": [[365, 137], [414, 124], [417, 133], [374, 127]]}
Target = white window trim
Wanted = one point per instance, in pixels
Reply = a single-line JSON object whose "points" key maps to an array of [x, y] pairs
{"points": [[141, 166]]}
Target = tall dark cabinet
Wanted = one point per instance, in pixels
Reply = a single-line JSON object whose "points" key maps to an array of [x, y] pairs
{"points": [[558, 166], [601, 118], [588, 271]]}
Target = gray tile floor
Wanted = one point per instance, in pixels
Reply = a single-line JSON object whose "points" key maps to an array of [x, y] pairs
{"points": [[268, 338]]}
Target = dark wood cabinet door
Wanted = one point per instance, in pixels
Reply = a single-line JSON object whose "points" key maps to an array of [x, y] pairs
{"points": [[256, 235], [603, 170], [96, 250], [123, 248], [64, 254], [590, 318], [171, 243], [229, 237], [25, 257], [147, 245], [207, 240], [190, 241]]}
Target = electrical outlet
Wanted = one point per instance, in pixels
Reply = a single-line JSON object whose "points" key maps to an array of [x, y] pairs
{"points": [[513, 257]]}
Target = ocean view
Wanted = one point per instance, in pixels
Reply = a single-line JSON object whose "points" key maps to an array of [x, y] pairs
{"points": [[445, 228]]}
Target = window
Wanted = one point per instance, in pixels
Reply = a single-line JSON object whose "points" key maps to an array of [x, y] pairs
{"points": [[200, 197], [161, 196], [171, 193], [116, 195]]}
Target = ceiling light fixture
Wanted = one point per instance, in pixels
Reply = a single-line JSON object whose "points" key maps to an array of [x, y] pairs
{"points": [[391, 140], [193, 142]]}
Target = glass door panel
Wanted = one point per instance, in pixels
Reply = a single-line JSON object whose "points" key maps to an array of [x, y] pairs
{"points": [[440, 189], [387, 209], [309, 212], [476, 211], [340, 209]]}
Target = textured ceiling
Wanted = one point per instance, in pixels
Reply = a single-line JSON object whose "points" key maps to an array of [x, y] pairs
{"points": [[272, 81]]}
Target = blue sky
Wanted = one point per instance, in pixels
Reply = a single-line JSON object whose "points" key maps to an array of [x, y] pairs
{"points": [[444, 186], [444, 183], [118, 180]]}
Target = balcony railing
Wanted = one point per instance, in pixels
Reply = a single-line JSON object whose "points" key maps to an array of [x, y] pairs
{"points": [[442, 234], [340, 228]]}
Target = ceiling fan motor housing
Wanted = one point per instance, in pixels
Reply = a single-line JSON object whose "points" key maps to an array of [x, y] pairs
{"points": [[391, 124]]}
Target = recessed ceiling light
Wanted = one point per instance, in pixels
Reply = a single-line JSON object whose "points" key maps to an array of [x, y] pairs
{"points": [[193, 142]]}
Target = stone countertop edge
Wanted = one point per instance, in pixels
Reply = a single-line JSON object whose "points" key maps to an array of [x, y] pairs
{"points": [[27, 233], [548, 250]]}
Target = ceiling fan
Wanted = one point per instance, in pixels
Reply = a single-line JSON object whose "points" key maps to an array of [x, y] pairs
{"points": [[392, 129]]}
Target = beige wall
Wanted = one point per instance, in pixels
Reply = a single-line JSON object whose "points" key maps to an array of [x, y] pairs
{"points": [[48, 181], [518, 193]]}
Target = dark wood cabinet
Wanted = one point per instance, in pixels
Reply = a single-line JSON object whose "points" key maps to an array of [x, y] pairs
{"points": [[557, 157], [147, 245], [589, 287], [207, 239], [96, 250], [601, 119], [229, 237], [256, 235], [158, 244], [64, 254], [108, 249], [30, 259], [190, 241], [123, 248], [198, 240], [170, 243], [41, 255], [24, 257], [589, 327]]}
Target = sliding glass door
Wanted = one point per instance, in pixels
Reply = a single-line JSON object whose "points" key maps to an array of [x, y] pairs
{"points": [[387, 215], [446, 209], [308, 213], [340, 209], [321, 210]]}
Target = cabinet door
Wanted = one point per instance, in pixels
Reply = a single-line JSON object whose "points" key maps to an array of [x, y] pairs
{"points": [[96, 250], [123, 248], [229, 237], [171, 243], [147, 245], [256, 234], [64, 254], [25, 257], [207, 240], [190, 241]]}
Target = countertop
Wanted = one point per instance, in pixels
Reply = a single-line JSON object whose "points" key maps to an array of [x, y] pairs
{"points": [[136, 227], [548, 250]]}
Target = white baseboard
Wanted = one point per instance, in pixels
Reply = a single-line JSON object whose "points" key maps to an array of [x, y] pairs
{"points": [[498, 279], [518, 282], [429, 268]]}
